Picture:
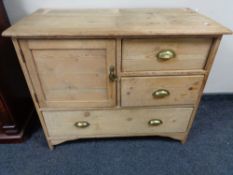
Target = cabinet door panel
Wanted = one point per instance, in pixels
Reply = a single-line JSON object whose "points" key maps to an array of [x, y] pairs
{"points": [[71, 73]]}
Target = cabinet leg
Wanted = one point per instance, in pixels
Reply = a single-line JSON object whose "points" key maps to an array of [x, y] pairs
{"points": [[51, 147], [184, 139]]}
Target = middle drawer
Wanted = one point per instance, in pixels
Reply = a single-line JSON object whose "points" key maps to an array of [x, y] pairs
{"points": [[157, 91]]}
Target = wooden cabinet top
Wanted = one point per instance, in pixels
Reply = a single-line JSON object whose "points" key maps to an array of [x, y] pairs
{"points": [[115, 22]]}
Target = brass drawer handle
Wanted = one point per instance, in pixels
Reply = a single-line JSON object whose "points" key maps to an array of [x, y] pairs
{"points": [[112, 75], [155, 122], [161, 93], [166, 55], [82, 124]]}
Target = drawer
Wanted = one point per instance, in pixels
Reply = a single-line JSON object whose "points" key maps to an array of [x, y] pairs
{"points": [[165, 54], [156, 91], [120, 122]]}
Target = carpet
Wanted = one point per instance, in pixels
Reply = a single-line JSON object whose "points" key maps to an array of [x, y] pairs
{"points": [[208, 151]]}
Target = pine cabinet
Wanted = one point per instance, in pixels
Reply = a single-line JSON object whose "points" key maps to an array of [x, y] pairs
{"points": [[116, 72]]}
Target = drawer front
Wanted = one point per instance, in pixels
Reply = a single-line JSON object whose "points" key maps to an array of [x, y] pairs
{"points": [[71, 73], [164, 54], [117, 122], [156, 91]]}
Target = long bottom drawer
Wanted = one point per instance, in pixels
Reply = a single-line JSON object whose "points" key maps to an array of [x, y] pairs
{"points": [[122, 122]]}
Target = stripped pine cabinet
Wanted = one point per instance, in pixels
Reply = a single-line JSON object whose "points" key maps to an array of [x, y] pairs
{"points": [[116, 72]]}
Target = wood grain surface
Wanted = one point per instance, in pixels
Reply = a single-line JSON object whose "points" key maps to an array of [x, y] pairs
{"points": [[115, 22]]}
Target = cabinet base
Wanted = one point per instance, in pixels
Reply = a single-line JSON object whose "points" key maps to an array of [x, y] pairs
{"points": [[176, 136]]}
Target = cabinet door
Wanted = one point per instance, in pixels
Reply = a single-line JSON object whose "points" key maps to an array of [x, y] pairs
{"points": [[71, 73]]}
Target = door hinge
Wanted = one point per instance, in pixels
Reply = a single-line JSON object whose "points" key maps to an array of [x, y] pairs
{"points": [[36, 98], [22, 55]]}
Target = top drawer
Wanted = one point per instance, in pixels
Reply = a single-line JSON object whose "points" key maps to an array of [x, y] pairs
{"points": [[164, 54]]}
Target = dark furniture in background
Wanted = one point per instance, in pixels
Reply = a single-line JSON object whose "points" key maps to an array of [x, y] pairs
{"points": [[16, 106]]}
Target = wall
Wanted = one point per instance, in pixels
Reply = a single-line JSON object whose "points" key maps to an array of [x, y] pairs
{"points": [[221, 77]]}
